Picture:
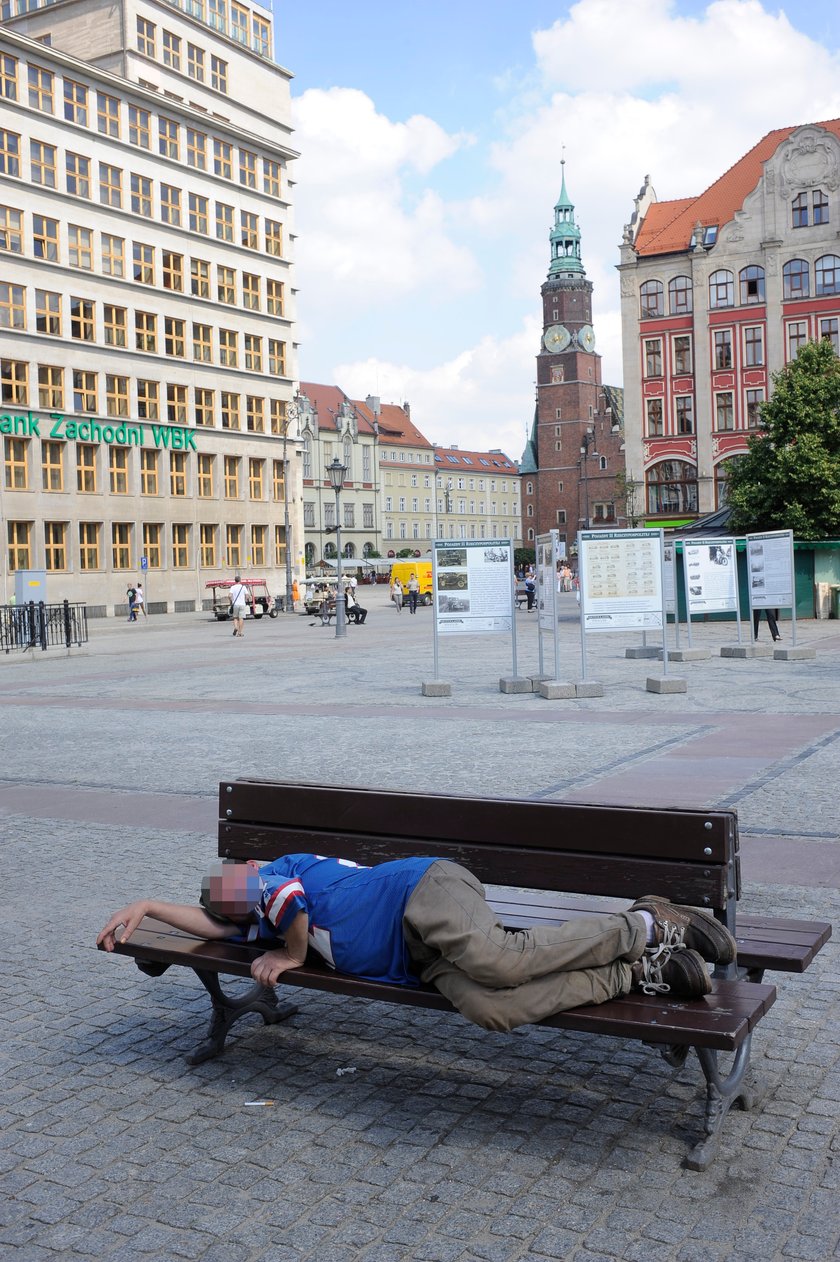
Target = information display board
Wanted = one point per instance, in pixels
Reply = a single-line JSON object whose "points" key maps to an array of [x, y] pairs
{"points": [[770, 569], [669, 557], [711, 576], [473, 582], [621, 580], [546, 583]]}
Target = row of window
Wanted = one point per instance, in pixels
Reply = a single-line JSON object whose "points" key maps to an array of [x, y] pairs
{"points": [[129, 477], [796, 283], [127, 541], [447, 504], [348, 515], [142, 399], [682, 419], [451, 530], [724, 346], [244, 26]]}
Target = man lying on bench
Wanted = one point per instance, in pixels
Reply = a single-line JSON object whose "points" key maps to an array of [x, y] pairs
{"points": [[427, 920]]}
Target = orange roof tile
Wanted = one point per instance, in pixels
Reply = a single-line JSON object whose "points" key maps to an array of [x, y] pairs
{"points": [[667, 226], [476, 461], [395, 425], [327, 400]]}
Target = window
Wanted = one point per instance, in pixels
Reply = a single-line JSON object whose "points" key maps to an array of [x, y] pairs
{"points": [[226, 284], [114, 325], [151, 544], [230, 410], [139, 131], [799, 211], [754, 346], [797, 337], [276, 357], [12, 309], [796, 282], [247, 168], [721, 289], [228, 348], [280, 546], [271, 177], [85, 391], [121, 545], [199, 278], [55, 545], [308, 513], [250, 234], [218, 74], [171, 50], [751, 283], [180, 547], [77, 173], [144, 263], [205, 476], [51, 388], [274, 297], [307, 457], [239, 22], [255, 414], [652, 300], [9, 152], [82, 325], [141, 196], [176, 404], [682, 355], [42, 163], [45, 238], [655, 421], [86, 468], [108, 115], [217, 14], [198, 213], [196, 149], [148, 471], [116, 396], [653, 357], [16, 452], [680, 295], [178, 473], [231, 477], [11, 236], [40, 89], [724, 411], [148, 400], [110, 185], [89, 545], [278, 480], [223, 159], [208, 546], [829, 333], [672, 487], [224, 222], [75, 103], [173, 271], [118, 470], [195, 62], [113, 255], [204, 406], [233, 546], [684, 407], [202, 343], [52, 466], [261, 41], [273, 238], [250, 291], [820, 206], [723, 348], [20, 550], [253, 353], [174, 339], [169, 139], [827, 274], [80, 247], [754, 400], [145, 37], [256, 471]]}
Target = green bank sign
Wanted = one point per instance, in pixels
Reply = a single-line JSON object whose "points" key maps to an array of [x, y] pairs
{"points": [[126, 434]]}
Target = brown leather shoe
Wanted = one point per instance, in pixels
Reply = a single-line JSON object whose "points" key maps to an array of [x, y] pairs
{"points": [[680, 973], [700, 932]]}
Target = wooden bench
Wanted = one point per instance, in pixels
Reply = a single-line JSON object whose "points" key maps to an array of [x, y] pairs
{"points": [[525, 852]]}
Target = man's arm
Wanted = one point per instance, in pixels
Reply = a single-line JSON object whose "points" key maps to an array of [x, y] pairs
{"points": [[267, 968], [178, 915]]}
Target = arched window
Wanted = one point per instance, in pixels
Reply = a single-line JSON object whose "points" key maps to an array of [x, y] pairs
{"points": [[603, 463], [722, 289], [309, 555], [367, 550], [671, 487], [530, 534], [796, 279], [529, 488], [652, 298], [751, 280], [349, 551], [680, 295], [329, 551], [827, 274], [307, 457], [530, 511], [721, 475]]}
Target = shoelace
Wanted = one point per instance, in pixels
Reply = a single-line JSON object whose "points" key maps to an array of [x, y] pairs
{"points": [[656, 957]]}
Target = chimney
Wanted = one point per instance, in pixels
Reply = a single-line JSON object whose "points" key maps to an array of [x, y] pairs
{"points": [[374, 404]]}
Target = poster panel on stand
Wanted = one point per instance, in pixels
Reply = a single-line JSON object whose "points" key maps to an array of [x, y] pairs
{"points": [[473, 582], [545, 582], [621, 580], [669, 556], [711, 576], [770, 569]]}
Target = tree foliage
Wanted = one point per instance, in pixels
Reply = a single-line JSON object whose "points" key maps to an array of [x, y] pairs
{"points": [[789, 478]]}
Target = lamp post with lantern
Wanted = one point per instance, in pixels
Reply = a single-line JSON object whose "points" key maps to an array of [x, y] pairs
{"points": [[587, 448], [336, 472]]}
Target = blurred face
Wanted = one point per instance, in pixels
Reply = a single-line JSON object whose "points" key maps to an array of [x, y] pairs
{"points": [[231, 890]]}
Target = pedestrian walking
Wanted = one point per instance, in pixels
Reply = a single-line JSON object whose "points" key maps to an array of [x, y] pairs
{"points": [[238, 605], [397, 594], [131, 595], [139, 600], [413, 592]]}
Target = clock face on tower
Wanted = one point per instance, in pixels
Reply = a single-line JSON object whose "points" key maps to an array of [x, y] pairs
{"points": [[586, 337], [556, 338]]}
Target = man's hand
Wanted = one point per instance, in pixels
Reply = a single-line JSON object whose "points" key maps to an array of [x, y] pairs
{"points": [[267, 968], [129, 918]]}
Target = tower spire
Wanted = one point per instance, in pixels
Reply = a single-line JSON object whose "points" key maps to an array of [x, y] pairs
{"points": [[565, 235]]}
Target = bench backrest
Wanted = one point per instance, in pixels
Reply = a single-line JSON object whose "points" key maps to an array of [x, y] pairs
{"points": [[688, 856]]}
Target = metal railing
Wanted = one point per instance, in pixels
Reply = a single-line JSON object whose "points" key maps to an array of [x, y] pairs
{"points": [[37, 626]]}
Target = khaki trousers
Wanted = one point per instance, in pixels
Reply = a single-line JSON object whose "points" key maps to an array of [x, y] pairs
{"points": [[501, 978]]}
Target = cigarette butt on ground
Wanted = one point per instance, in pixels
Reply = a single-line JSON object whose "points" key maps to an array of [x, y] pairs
{"points": [[258, 1104]]}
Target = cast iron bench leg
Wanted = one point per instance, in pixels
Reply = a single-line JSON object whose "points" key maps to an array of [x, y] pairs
{"points": [[722, 1091], [261, 999]]}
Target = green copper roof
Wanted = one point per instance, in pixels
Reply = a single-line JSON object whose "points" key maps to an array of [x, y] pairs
{"points": [[565, 235]]}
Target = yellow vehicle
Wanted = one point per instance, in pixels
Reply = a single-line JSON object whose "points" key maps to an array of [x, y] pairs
{"points": [[403, 570]]}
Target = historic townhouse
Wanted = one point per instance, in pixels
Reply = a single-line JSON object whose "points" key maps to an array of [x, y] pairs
{"points": [[477, 495], [718, 293], [146, 298]]}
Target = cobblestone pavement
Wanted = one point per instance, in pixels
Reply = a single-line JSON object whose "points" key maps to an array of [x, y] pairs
{"points": [[440, 1142]]}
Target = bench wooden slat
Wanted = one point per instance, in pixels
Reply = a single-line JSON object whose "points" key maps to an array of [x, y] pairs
{"points": [[720, 1021]]}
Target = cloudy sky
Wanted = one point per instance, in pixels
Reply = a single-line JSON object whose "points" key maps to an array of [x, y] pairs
{"points": [[431, 137]]}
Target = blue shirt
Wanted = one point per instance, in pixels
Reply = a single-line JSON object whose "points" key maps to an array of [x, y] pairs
{"points": [[355, 913]]}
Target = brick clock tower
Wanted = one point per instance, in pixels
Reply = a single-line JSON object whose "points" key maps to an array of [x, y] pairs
{"points": [[575, 447]]}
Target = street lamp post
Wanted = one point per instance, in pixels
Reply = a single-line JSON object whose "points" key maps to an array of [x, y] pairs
{"points": [[336, 472], [292, 414], [587, 441]]}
